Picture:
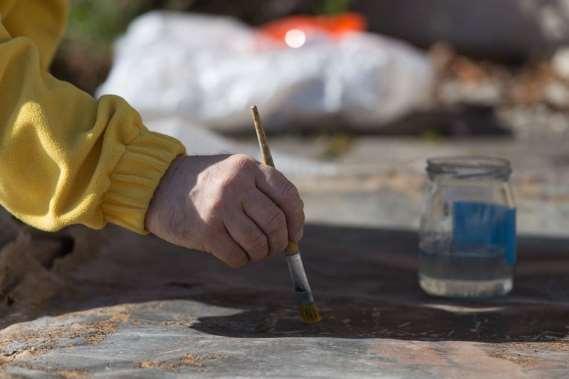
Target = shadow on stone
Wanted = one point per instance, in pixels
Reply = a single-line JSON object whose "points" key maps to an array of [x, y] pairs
{"points": [[364, 281]]}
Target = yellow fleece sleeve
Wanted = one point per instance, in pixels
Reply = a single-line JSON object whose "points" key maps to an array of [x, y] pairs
{"points": [[66, 158], [41, 20]]}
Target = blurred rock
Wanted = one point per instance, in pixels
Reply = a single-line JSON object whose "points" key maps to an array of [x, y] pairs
{"points": [[557, 95], [560, 63], [486, 93], [507, 30]]}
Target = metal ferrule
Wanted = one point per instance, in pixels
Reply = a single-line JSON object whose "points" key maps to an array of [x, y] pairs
{"points": [[299, 279]]}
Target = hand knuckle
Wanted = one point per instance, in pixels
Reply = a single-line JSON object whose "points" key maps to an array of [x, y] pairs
{"points": [[213, 216], [216, 204], [257, 243], [242, 161], [289, 191], [226, 183], [240, 166], [276, 221]]}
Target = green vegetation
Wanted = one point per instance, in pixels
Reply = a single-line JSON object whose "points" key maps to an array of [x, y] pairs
{"points": [[333, 6], [100, 22]]}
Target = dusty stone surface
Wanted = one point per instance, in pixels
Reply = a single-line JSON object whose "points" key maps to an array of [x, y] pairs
{"points": [[35, 266], [143, 308]]}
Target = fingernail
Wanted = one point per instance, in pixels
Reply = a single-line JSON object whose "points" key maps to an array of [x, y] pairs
{"points": [[299, 235]]}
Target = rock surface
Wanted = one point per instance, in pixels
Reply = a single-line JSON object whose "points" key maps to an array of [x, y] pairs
{"points": [[509, 30], [146, 309]]}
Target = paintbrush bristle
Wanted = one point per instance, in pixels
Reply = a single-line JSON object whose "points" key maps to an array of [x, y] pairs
{"points": [[309, 313]]}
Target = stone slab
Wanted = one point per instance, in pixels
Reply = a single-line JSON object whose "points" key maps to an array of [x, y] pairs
{"points": [[145, 309]]}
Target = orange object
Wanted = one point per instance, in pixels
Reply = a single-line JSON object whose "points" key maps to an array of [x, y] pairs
{"points": [[333, 26]]}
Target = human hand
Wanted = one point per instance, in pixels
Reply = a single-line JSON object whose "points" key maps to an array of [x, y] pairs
{"points": [[228, 205]]}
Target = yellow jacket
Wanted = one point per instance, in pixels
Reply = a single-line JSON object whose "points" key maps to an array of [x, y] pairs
{"points": [[66, 158]]}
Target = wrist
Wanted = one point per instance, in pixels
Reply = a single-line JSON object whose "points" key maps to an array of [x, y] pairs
{"points": [[162, 197]]}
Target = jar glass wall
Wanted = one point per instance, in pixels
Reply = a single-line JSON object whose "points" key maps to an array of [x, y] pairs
{"points": [[468, 228]]}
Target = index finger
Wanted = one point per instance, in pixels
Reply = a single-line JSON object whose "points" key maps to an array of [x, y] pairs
{"points": [[280, 190]]}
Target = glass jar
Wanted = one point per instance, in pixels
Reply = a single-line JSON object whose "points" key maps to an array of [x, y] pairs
{"points": [[468, 228]]}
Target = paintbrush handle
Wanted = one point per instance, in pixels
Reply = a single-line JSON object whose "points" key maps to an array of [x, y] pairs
{"points": [[267, 159], [266, 156]]}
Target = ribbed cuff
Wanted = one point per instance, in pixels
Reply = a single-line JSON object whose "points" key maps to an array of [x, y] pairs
{"points": [[136, 177]]}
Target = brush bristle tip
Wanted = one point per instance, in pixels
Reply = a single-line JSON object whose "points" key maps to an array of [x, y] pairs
{"points": [[310, 314]]}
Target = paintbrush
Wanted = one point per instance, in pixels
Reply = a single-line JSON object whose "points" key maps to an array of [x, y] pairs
{"points": [[308, 310]]}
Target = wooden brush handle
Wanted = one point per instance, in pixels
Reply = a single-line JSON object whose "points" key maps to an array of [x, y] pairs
{"points": [[266, 156], [267, 159]]}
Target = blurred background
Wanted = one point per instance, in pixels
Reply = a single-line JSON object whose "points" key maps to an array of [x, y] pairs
{"points": [[356, 93], [86, 53]]}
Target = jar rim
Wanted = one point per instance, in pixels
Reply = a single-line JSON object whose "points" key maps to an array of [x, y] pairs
{"points": [[470, 166]]}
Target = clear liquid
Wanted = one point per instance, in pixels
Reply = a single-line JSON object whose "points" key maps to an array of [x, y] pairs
{"points": [[464, 274]]}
